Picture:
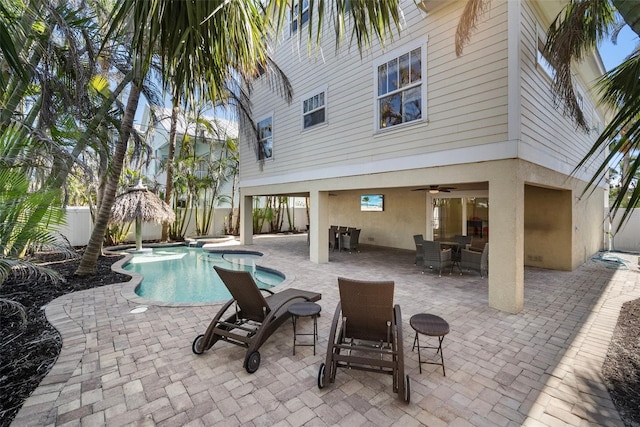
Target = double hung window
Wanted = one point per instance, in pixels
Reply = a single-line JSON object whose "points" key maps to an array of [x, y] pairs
{"points": [[314, 110], [265, 138], [299, 15], [400, 89]]}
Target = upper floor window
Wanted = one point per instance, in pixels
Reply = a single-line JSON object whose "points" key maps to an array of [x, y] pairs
{"points": [[400, 89], [299, 17], [314, 110], [265, 138], [542, 59], [580, 100]]}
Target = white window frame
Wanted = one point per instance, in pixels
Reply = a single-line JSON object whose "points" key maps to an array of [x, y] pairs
{"points": [[309, 96], [541, 61], [396, 54], [294, 18], [260, 140]]}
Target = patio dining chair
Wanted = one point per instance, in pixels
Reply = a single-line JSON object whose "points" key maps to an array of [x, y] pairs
{"points": [[417, 239], [434, 257], [349, 241]]}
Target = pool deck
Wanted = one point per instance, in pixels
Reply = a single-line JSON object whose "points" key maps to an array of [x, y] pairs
{"points": [[540, 367]]}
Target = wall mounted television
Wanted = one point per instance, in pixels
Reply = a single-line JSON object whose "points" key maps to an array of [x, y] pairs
{"points": [[372, 202]]}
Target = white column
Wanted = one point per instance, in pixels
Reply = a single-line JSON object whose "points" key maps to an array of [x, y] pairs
{"points": [[506, 241], [319, 227], [246, 220]]}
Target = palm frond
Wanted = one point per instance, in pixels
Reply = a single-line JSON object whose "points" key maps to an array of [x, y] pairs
{"points": [[26, 270], [473, 11], [618, 88], [9, 307], [573, 34]]}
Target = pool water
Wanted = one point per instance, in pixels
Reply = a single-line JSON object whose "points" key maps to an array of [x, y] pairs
{"points": [[186, 274]]}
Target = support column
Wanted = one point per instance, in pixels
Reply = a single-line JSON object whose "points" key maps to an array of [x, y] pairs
{"points": [[246, 220], [506, 247], [319, 227]]}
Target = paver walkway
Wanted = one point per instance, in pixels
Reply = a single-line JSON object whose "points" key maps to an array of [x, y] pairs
{"points": [[538, 367]]}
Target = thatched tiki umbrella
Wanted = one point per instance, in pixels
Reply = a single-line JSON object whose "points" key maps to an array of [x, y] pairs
{"points": [[140, 204]]}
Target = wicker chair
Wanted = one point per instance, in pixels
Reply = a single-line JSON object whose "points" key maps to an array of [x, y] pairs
{"points": [[366, 334], [472, 260], [349, 241], [417, 239], [434, 257]]}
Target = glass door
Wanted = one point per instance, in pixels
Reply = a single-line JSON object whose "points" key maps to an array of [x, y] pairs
{"points": [[478, 219], [447, 218]]}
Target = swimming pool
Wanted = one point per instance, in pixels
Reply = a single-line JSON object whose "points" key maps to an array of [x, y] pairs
{"points": [[186, 275]]}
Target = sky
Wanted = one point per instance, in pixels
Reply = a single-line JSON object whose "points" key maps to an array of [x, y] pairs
{"points": [[613, 55]]}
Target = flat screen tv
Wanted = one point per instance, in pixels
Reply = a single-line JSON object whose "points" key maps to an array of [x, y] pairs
{"points": [[372, 202]]}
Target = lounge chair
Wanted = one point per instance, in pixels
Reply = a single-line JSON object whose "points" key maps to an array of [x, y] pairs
{"points": [[253, 319], [366, 334], [435, 257]]}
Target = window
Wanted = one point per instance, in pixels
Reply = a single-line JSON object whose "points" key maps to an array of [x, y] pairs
{"points": [[400, 89], [313, 110], [542, 59], [296, 18], [265, 139], [580, 100]]}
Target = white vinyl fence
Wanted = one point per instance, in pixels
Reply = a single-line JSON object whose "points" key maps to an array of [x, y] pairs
{"points": [[79, 225], [628, 238]]}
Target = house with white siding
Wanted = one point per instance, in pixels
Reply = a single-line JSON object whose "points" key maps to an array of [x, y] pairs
{"points": [[472, 145]]}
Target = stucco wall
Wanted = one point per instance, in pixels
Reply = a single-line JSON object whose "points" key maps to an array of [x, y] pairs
{"points": [[403, 216], [547, 228]]}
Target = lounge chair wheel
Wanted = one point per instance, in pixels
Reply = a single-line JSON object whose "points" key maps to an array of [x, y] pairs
{"points": [[321, 376], [197, 345], [407, 389], [253, 362]]}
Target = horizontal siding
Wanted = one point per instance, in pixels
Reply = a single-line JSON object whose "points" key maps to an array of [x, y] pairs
{"points": [[466, 101], [544, 128]]}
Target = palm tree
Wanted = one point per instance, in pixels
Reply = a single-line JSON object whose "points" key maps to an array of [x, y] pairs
{"points": [[203, 45]]}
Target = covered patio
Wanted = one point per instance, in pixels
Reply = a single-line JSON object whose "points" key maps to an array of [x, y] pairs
{"points": [[540, 366]]}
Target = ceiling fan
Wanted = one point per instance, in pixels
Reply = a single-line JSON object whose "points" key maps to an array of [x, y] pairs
{"points": [[435, 189]]}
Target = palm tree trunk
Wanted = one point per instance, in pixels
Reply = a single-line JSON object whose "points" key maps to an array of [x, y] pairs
{"points": [[172, 149], [94, 247]]}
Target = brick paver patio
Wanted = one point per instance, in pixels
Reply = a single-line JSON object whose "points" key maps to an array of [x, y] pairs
{"points": [[538, 367]]}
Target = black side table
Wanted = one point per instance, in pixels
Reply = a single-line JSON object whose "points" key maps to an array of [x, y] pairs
{"points": [[304, 309], [433, 326]]}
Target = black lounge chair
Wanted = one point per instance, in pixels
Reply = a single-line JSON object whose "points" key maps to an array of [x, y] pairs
{"points": [[366, 334], [254, 317]]}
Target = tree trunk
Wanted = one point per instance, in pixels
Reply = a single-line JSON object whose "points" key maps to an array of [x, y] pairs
{"points": [[94, 247], [138, 234], [172, 149]]}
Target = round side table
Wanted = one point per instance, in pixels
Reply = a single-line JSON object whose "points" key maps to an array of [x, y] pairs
{"points": [[433, 326], [304, 309]]}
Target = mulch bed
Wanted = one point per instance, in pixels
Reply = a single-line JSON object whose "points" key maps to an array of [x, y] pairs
{"points": [[621, 368], [29, 351], [27, 354]]}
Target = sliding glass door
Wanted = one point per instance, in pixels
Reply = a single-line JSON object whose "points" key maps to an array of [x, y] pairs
{"points": [[466, 215]]}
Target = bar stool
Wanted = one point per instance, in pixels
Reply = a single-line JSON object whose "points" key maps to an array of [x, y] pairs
{"points": [[433, 326], [305, 309]]}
